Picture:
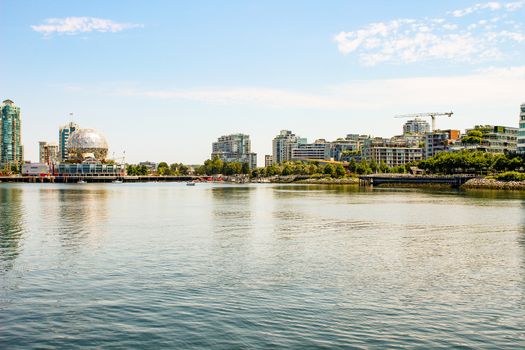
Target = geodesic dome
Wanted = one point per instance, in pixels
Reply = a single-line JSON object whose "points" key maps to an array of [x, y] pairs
{"points": [[83, 143]]}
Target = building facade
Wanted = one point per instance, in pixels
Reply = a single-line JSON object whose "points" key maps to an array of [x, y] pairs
{"points": [[11, 149], [90, 169], [63, 138], [521, 132], [35, 169], [416, 126], [268, 160], [283, 144], [48, 152], [390, 152], [319, 150], [439, 141], [235, 148]]}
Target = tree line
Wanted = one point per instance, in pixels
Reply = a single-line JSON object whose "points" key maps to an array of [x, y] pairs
{"points": [[175, 169], [466, 161], [477, 162]]}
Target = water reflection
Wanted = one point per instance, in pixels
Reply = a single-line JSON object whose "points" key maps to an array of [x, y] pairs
{"points": [[81, 216], [232, 209], [11, 225]]}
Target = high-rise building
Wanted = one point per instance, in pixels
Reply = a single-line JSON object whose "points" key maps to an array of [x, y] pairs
{"points": [[416, 126], [235, 148], [48, 152], [283, 144], [63, 137], [11, 149], [521, 132]]}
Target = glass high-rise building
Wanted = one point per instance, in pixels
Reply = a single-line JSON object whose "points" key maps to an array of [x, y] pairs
{"points": [[521, 131], [11, 149], [63, 137]]}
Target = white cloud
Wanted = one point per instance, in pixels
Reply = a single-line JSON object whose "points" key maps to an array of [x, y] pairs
{"points": [[75, 25], [513, 6], [414, 40], [491, 6], [488, 87]]}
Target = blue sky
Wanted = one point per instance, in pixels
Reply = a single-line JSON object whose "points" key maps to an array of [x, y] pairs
{"points": [[164, 79]]}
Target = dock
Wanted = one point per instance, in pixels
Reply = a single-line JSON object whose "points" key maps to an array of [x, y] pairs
{"points": [[100, 179]]}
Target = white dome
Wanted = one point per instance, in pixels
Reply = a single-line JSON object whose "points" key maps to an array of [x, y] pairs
{"points": [[84, 141]]}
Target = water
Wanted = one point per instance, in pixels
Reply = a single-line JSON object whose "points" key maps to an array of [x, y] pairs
{"points": [[259, 266]]}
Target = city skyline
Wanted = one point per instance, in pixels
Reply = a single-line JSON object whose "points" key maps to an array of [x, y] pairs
{"points": [[321, 70]]}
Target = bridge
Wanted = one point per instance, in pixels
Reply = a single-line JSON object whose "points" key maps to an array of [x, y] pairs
{"points": [[404, 179]]}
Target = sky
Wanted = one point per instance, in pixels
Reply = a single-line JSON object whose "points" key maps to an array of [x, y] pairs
{"points": [[162, 80]]}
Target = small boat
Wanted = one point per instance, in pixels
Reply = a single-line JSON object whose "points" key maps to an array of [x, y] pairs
{"points": [[190, 183], [117, 181], [81, 182]]}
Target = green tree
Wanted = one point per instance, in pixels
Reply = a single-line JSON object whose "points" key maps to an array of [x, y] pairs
{"points": [[473, 137], [217, 166], [383, 168], [340, 171], [245, 169], [373, 166], [184, 169], [287, 169], [352, 165], [329, 169]]}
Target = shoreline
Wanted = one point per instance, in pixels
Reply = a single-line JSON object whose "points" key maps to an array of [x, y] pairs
{"points": [[491, 184], [472, 184]]}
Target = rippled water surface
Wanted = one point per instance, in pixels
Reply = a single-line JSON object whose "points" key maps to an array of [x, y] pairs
{"points": [[259, 266]]}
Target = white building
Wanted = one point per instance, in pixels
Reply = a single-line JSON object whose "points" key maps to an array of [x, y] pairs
{"points": [[521, 132], [235, 148], [283, 144], [318, 150], [416, 126], [390, 152]]}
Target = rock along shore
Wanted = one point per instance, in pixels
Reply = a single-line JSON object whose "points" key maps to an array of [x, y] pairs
{"points": [[491, 184]]}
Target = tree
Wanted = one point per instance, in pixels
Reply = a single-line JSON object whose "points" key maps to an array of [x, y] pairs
{"points": [[163, 169], [245, 169], [473, 137], [352, 165], [363, 167], [287, 169], [184, 169], [383, 168], [142, 170], [216, 166], [373, 166], [329, 169], [15, 169], [340, 171]]}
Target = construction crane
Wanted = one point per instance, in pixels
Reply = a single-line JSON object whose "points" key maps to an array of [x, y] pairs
{"points": [[121, 159], [432, 115]]}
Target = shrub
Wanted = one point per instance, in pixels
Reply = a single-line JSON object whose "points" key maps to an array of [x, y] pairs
{"points": [[511, 176]]}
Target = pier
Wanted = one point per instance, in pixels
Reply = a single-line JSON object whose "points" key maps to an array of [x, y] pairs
{"points": [[404, 179], [100, 179]]}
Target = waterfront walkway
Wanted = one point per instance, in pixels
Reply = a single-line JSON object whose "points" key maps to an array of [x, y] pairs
{"points": [[101, 178]]}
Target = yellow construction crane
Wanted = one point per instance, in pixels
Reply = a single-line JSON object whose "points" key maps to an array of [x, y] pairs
{"points": [[432, 115]]}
